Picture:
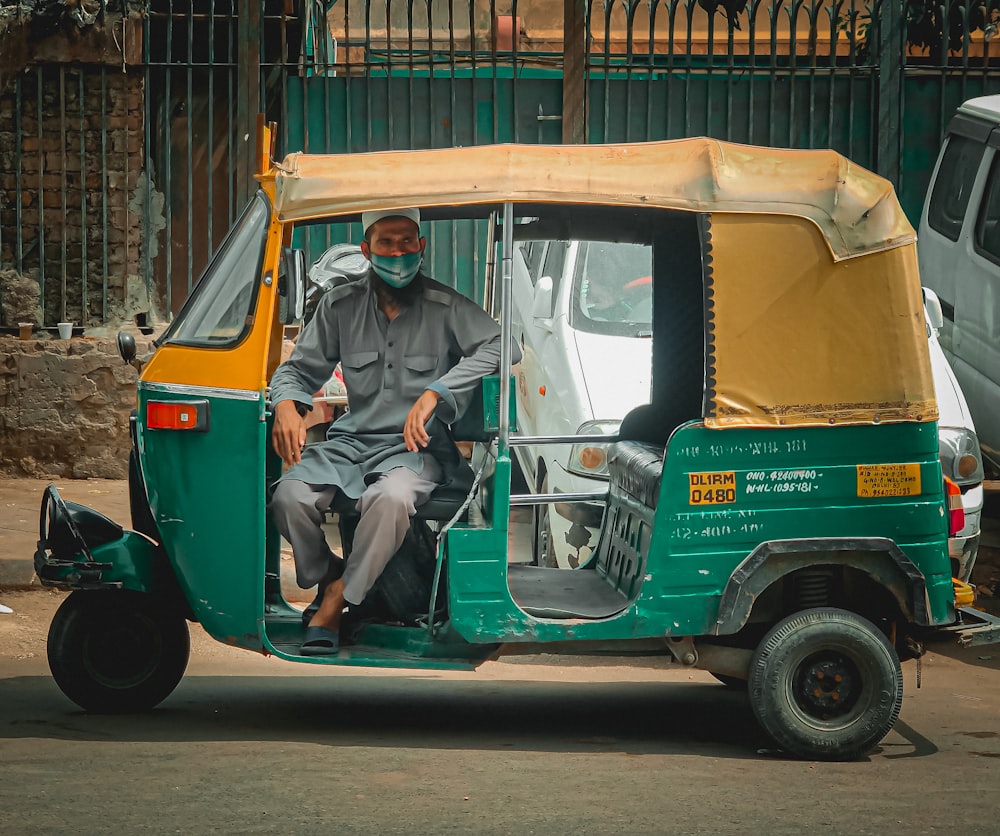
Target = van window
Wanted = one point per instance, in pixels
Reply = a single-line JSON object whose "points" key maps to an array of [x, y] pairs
{"points": [[988, 224], [950, 196]]}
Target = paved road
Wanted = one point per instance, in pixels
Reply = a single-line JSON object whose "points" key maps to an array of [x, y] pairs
{"points": [[247, 744]]}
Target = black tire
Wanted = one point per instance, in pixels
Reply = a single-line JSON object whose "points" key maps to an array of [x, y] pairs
{"points": [[117, 651], [826, 685], [541, 545]]}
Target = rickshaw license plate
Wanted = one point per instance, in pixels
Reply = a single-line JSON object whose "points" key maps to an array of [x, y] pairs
{"points": [[888, 480], [712, 488]]}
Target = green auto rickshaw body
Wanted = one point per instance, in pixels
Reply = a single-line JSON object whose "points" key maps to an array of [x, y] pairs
{"points": [[787, 461]]}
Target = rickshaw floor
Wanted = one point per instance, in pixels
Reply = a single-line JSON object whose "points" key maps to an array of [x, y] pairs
{"points": [[564, 593], [387, 645]]}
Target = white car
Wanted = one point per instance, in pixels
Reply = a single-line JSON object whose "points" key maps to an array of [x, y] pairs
{"points": [[582, 313], [583, 316], [961, 459]]}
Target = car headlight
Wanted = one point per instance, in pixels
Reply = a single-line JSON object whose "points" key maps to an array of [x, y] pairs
{"points": [[961, 460], [591, 459]]}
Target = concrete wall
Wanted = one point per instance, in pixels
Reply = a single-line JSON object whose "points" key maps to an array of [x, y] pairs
{"points": [[64, 407]]}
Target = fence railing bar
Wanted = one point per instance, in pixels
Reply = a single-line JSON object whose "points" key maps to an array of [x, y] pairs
{"points": [[84, 307], [63, 198], [40, 120], [18, 169]]}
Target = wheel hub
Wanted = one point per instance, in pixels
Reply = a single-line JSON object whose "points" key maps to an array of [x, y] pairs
{"points": [[120, 655], [827, 685]]}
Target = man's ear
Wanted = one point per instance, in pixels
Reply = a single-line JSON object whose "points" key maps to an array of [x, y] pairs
{"points": [[366, 250], [423, 243]]}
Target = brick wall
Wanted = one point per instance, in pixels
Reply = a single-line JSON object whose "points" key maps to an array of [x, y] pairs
{"points": [[71, 153]]}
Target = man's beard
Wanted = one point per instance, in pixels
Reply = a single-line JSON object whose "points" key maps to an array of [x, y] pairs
{"points": [[400, 295]]}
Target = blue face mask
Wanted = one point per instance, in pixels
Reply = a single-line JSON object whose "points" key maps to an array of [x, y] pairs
{"points": [[396, 270]]}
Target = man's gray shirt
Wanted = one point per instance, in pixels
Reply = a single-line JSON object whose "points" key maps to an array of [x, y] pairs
{"points": [[440, 341]]}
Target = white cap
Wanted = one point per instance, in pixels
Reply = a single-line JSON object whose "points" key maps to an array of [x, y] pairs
{"points": [[368, 218]]}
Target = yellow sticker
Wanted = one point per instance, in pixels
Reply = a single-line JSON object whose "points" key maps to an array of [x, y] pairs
{"points": [[712, 488], [888, 479]]}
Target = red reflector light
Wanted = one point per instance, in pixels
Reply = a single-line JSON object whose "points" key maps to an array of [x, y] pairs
{"points": [[956, 511], [177, 415]]}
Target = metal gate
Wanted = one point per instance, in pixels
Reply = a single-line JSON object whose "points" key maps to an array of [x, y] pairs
{"points": [[875, 80]]}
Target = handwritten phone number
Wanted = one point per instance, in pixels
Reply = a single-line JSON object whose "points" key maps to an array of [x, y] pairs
{"points": [[783, 487]]}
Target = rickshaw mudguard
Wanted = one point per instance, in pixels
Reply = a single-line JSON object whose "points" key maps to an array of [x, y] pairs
{"points": [[878, 558], [80, 548], [126, 563]]}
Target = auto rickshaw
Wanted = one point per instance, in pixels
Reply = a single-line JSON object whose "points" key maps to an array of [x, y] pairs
{"points": [[776, 513]]}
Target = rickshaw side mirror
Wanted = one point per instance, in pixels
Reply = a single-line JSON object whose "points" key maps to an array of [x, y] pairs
{"points": [[126, 346], [541, 305], [291, 286], [932, 309]]}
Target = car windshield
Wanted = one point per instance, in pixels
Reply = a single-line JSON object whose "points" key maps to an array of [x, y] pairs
{"points": [[613, 289]]}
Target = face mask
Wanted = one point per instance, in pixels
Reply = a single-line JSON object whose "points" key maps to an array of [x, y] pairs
{"points": [[396, 270]]}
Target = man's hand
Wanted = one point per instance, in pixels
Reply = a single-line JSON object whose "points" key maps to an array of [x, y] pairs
{"points": [[289, 433], [414, 432]]}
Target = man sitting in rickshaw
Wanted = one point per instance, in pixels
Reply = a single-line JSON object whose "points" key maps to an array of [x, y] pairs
{"points": [[412, 351]]}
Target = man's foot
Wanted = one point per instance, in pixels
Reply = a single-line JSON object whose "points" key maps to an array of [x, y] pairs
{"points": [[336, 571], [319, 641]]}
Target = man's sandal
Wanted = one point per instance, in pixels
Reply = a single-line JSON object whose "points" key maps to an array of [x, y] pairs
{"points": [[320, 641]]}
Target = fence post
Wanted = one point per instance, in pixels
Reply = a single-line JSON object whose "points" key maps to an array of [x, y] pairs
{"points": [[892, 55], [574, 98], [247, 96]]}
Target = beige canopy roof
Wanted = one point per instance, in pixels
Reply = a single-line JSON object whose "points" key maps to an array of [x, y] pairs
{"points": [[856, 211]]}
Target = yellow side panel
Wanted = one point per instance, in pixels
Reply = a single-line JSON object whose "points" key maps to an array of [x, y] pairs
{"points": [[796, 338]]}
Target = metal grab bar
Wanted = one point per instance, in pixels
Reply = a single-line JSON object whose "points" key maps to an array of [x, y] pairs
{"points": [[544, 498], [522, 440]]}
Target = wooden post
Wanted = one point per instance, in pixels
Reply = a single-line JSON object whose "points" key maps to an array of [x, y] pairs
{"points": [[574, 100]]}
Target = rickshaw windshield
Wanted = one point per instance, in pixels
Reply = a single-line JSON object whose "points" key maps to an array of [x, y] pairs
{"points": [[613, 289], [216, 313]]}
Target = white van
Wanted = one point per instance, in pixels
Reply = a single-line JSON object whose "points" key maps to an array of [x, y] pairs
{"points": [[959, 252], [582, 314]]}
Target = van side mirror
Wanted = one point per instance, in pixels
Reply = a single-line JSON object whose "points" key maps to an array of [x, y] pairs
{"points": [[291, 286], [932, 309], [541, 305]]}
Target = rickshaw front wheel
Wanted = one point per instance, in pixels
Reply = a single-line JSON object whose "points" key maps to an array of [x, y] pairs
{"points": [[117, 651], [826, 684]]}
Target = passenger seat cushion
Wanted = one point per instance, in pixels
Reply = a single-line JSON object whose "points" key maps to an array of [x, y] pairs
{"points": [[636, 468]]}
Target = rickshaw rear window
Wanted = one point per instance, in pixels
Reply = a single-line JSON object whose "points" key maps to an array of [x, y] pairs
{"points": [[216, 313]]}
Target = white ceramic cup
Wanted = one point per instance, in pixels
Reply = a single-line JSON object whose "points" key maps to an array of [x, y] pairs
{"points": [[65, 330]]}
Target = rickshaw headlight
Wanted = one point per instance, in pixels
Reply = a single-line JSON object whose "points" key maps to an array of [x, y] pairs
{"points": [[961, 460], [590, 458]]}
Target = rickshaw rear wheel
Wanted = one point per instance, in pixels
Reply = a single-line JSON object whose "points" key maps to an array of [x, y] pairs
{"points": [[117, 651], [826, 684]]}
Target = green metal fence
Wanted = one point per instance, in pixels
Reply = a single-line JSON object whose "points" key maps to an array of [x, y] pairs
{"points": [[875, 80]]}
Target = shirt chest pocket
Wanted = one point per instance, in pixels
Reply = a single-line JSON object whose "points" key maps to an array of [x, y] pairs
{"points": [[421, 370], [420, 363], [362, 373]]}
